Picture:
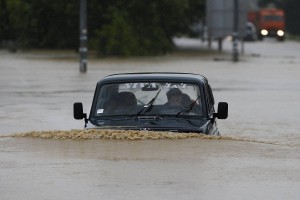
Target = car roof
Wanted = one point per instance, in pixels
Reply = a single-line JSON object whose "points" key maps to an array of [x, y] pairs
{"points": [[154, 76]]}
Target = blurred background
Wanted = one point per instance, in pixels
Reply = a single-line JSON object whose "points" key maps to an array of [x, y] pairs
{"points": [[118, 27]]}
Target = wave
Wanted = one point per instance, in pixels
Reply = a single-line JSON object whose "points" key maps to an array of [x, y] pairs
{"points": [[125, 135]]}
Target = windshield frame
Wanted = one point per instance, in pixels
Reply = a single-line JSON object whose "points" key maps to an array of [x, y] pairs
{"points": [[101, 85]]}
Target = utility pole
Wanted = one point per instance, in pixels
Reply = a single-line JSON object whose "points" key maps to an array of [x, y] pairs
{"points": [[83, 50], [235, 52]]}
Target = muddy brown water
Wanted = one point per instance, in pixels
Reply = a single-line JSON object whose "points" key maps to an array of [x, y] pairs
{"points": [[45, 154], [190, 168]]}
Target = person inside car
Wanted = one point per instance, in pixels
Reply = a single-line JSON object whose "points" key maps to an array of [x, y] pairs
{"points": [[186, 100], [174, 97], [193, 105], [126, 101], [122, 102]]}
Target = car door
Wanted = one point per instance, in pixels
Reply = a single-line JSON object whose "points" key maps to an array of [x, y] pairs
{"points": [[212, 127]]}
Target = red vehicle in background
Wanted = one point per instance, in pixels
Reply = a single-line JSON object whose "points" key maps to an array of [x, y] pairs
{"points": [[268, 23]]}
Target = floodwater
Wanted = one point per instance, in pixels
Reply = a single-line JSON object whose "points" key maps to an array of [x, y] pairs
{"points": [[45, 154]]}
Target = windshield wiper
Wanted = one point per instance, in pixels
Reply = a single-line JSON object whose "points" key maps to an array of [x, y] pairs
{"points": [[148, 105], [189, 107]]}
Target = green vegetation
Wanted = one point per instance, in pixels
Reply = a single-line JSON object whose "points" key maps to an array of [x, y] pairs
{"points": [[115, 27], [294, 37]]}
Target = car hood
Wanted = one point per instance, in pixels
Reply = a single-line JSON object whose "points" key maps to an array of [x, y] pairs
{"points": [[174, 124]]}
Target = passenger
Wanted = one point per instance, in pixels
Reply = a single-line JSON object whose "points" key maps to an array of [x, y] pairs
{"points": [[174, 97], [186, 100]]}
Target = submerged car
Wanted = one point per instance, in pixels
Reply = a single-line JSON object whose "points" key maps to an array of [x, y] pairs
{"points": [[175, 102]]}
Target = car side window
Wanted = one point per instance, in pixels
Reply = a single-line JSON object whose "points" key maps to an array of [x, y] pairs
{"points": [[209, 98]]}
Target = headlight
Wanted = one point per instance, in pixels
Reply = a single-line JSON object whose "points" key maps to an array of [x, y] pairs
{"points": [[280, 33], [264, 32]]}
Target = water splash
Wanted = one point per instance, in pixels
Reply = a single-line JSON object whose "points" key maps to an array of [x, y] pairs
{"points": [[108, 134], [125, 135]]}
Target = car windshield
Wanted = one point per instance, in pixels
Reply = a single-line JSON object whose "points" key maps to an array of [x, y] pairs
{"points": [[273, 18], [153, 98]]}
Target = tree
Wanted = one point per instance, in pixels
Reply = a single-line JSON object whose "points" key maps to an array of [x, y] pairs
{"points": [[115, 27], [43, 23], [145, 27], [4, 22], [292, 13]]}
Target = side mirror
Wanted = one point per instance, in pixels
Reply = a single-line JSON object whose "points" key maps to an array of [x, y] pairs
{"points": [[78, 111], [222, 110]]}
